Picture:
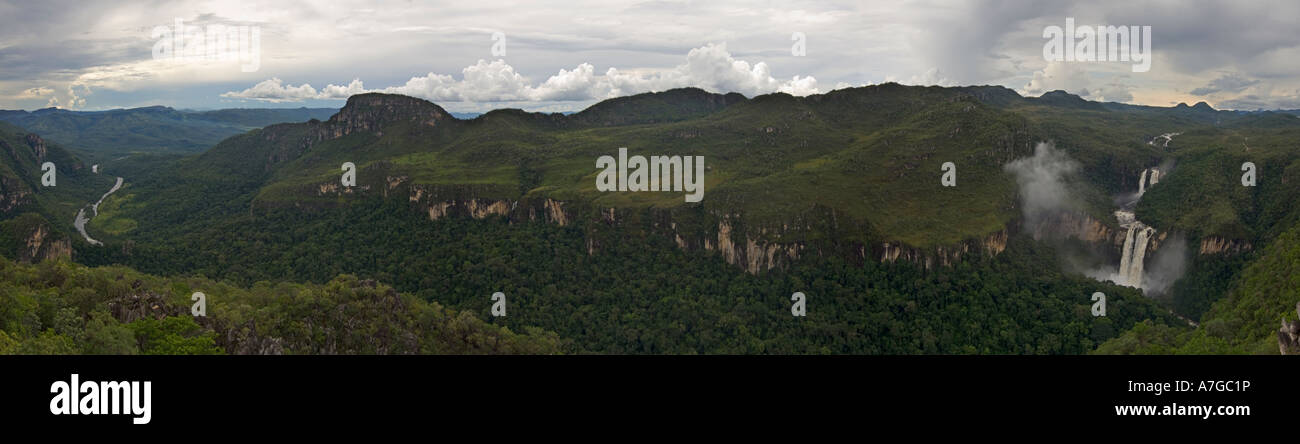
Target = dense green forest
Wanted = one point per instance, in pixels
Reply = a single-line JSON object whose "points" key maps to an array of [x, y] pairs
{"points": [[642, 294], [60, 308]]}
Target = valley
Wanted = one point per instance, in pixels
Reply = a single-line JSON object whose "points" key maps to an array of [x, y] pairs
{"points": [[81, 219], [837, 196]]}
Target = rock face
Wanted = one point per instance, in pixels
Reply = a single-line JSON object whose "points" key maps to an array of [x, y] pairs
{"points": [[1288, 337], [142, 305], [943, 255], [12, 194], [754, 249], [1218, 245], [1080, 226], [234, 339], [369, 113], [372, 112], [37, 144], [42, 244]]}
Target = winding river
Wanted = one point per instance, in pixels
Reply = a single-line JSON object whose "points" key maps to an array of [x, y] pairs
{"points": [[81, 220]]}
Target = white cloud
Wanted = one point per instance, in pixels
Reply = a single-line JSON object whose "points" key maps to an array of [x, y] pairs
{"points": [[1073, 78], [930, 77], [274, 90], [710, 67]]}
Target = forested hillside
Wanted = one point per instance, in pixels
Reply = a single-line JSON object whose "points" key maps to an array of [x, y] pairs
{"points": [[61, 308], [836, 196]]}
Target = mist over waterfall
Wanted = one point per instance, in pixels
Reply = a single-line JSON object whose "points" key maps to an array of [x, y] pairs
{"points": [[1042, 182]]}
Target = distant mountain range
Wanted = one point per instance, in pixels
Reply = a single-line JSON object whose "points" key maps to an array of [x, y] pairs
{"points": [[150, 129]]}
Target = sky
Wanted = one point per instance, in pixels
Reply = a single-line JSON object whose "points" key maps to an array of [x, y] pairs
{"points": [[474, 56]]}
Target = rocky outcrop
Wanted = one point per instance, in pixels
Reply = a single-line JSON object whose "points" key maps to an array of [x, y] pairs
{"points": [[555, 212], [373, 112], [756, 249], [37, 144], [750, 252], [1217, 245], [943, 255], [142, 304], [475, 208], [241, 339], [336, 189], [370, 113], [43, 244], [1288, 337], [12, 194]]}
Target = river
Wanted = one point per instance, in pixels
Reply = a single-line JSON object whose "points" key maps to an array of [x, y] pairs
{"points": [[81, 220]]}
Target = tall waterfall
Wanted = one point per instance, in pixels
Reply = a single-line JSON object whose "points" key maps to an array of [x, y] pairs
{"points": [[1135, 250], [1139, 235], [1151, 175]]}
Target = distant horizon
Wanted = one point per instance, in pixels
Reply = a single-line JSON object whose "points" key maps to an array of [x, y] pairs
{"points": [[343, 102]]}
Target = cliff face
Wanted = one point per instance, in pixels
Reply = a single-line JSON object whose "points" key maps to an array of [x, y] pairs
{"points": [[372, 112], [1288, 337], [12, 194], [1080, 226], [363, 113], [1217, 245], [42, 243], [944, 255], [37, 144], [756, 249]]}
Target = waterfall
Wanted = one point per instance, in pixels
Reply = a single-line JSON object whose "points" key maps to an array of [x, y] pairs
{"points": [[1133, 256], [1135, 251], [1124, 259]]}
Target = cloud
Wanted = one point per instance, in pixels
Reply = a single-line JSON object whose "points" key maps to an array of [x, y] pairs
{"points": [[1250, 102], [709, 67], [1230, 82], [35, 92], [931, 77], [563, 52], [1074, 78], [1057, 75]]}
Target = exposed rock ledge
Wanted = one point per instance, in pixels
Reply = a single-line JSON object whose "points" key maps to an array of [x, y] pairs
{"points": [[754, 249], [943, 255], [1288, 337], [1075, 225], [43, 244], [1218, 245]]}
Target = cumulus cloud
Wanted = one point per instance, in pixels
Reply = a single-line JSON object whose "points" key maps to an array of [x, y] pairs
{"points": [[1074, 78], [1057, 75], [275, 90], [710, 67], [931, 77]]}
